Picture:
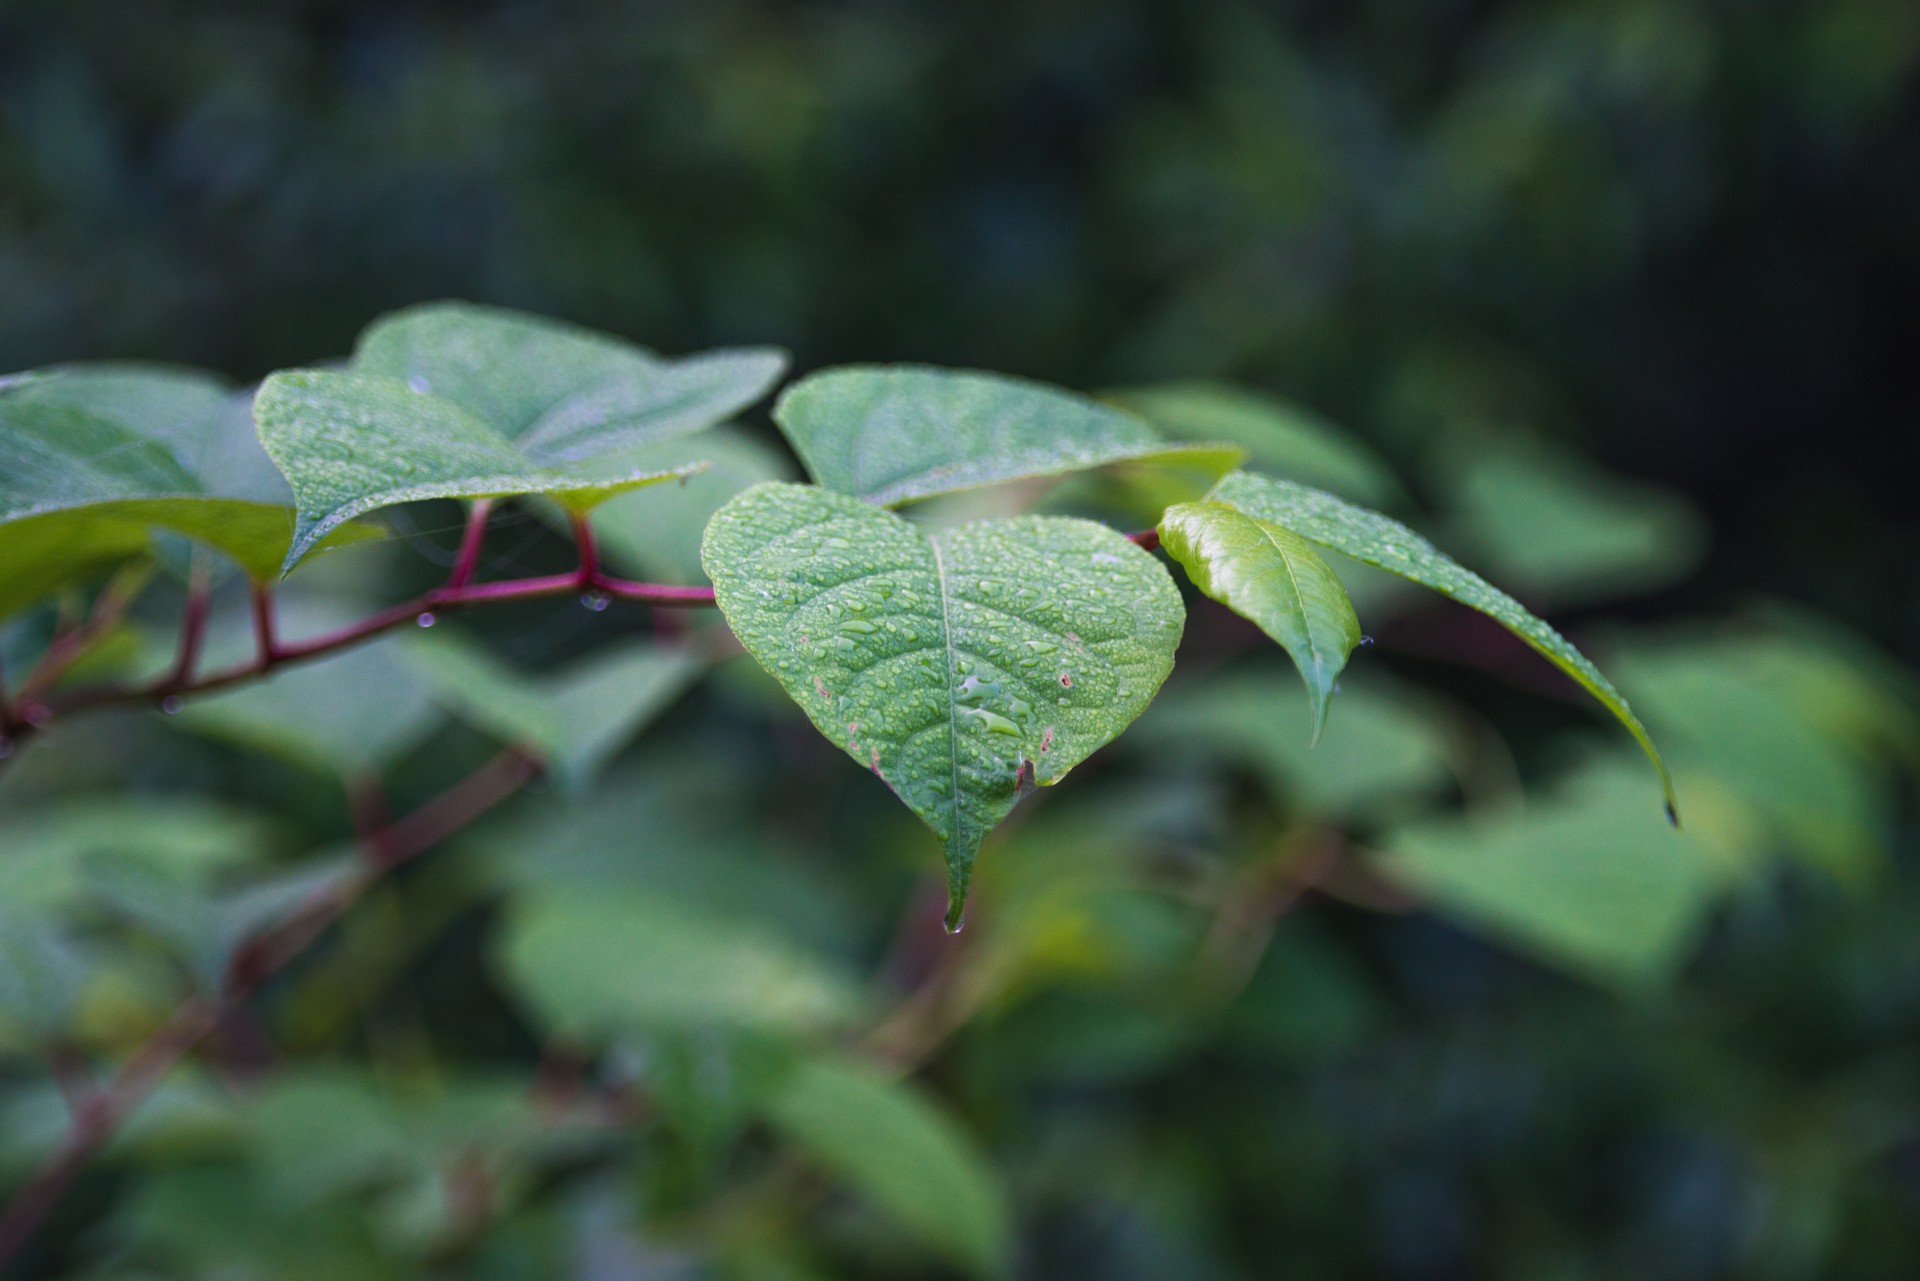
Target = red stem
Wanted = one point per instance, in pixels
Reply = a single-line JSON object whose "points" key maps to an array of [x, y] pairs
{"points": [[1145, 539], [468, 562], [102, 1112]]}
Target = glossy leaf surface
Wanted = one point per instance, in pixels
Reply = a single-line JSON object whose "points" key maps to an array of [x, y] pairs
{"points": [[1387, 544], [892, 434], [958, 666], [1269, 574]]}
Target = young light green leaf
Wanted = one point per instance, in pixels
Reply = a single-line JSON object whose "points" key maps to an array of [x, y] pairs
{"points": [[1278, 437], [959, 666], [895, 433], [1267, 573], [898, 1148], [1387, 544], [576, 719], [79, 492]]}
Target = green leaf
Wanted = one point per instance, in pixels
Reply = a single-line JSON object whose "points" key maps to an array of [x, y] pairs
{"points": [[1563, 531], [1386, 751], [1278, 437], [576, 719], [561, 393], [1267, 573], [78, 494], [603, 962], [1586, 879], [348, 714], [51, 850], [893, 434], [955, 665], [655, 532], [889, 1140], [1387, 544], [351, 444]]}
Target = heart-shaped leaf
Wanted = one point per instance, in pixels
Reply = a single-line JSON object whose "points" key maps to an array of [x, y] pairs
{"points": [[562, 393], [895, 433], [1271, 575], [1385, 543], [455, 401], [959, 665]]}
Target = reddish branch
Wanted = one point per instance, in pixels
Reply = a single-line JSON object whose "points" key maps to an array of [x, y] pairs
{"points": [[32, 711], [99, 1113]]}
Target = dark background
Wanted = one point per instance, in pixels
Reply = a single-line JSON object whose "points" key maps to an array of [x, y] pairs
{"points": [[1682, 236]]}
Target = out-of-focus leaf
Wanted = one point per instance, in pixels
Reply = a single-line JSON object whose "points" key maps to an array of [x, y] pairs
{"points": [[1733, 707], [1585, 879], [594, 965], [655, 532], [954, 665], [1562, 532], [1271, 575], [205, 929], [43, 973], [893, 1144], [78, 493], [1279, 437], [1385, 752], [704, 847], [347, 714], [1387, 544], [49, 852], [223, 1220], [891, 434], [576, 719]]}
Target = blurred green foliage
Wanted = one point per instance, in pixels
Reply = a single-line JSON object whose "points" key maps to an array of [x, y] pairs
{"points": [[1442, 997]]}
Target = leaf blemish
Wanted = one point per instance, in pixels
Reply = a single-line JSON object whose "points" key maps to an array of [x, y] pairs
{"points": [[820, 688], [1046, 740], [1066, 680]]}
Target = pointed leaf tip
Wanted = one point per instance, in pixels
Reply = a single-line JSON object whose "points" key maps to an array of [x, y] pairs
{"points": [[1270, 575], [960, 666], [1385, 543]]}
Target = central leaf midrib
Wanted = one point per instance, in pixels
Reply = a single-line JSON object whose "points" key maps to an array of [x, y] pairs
{"points": [[953, 721], [1306, 622]]}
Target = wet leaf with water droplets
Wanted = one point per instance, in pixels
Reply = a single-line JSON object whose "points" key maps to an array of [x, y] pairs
{"points": [[895, 433], [1271, 575], [945, 712], [1385, 543], [455, 401]]}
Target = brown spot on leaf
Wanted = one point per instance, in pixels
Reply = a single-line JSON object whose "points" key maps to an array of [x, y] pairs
{"points": [[1046, 740], [1066, 680], [820, 688]]}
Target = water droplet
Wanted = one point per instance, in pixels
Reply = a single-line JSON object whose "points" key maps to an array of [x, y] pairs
{"points": [[1366, 640], [956, 923], [172, 704], [419, 383], [860, 625], [595, 601], [426, 620]]}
